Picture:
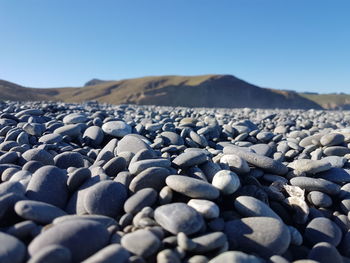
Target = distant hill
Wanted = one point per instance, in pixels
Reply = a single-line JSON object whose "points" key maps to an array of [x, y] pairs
{"points": [[330, 101], [191, 91]]}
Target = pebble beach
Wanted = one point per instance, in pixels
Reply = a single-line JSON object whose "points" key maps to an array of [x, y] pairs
{"points": [[100, 183]]}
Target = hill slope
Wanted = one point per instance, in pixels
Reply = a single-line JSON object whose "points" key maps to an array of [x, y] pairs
{"points": [[330, 101], [191, 91]]}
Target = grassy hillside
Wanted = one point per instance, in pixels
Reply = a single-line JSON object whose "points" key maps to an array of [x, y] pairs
{"points": [[330, 101], [191, 91]]}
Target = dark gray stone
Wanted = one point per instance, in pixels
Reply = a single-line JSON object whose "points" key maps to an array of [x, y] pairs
{"points": [[315, 184], [153, 177], [11, 250], [38, 155], [69, 159], [190, 158], [142, 198], [322, 229], [52, 254]]}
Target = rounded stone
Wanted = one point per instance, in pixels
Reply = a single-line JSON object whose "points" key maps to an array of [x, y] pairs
{"points": [[178, 217], [192, 187], [324, 252], [105, 198], [209, 242], [144, 197], [73, 235], [52, 254], [116, 128], [236, 163], [190, 158], [69, 159], [249, 206], [75, 118], [206, 208], [331, 139], [322, 229], [38, 155], [139, 166], [12, 250], [153, 177], [265, 236], [141, 242], [49, 184], [315, 184], [51, 138], [237, 257], [93, 135], [110, 254], [319, 199], [226, 181], [131, 143]]}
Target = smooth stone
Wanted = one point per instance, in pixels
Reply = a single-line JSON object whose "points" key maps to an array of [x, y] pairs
{"points": [[71, 130], [142, 198], [209, 242], [75, 118], [116, 128], [192, 187], [185, 242], [249, 206], [131, 143], [73, 235], [336, 175], [332, 139], [208, 209], [260, 161], [52, 254], [178, 217], [170, 256], [32, 166], [49, 184], [105, 198], [310, 166], [113, 253], [39, 212], [237, 257], [141, 242], [114, 166], [51, 138], [11, 187], [322, 229], [9, 157], [77, 178], [139, 166], [107, 150], [335, 161], [261, 149], [8, 173], [236, 163], [336, 151], [319, 199], [324, 252], [315, 184], [38, 155], [12, 250], [171, 138], [153, 177], [104, 220], [69, 159], [265, 236], [22, 230], [190, 158], [226, 181], [93, 135], [7, 214], [22, 177]]}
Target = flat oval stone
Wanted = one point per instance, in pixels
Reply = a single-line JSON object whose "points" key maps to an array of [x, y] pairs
{"points": [[75, 118], [52, 254], [319, 199], [139, 200], [322, 229], [141, 242], [69, 159], [139, 166], [114, 166], [116, 128], [237, 257], [71, 130], [12, 250], [105, 198], [249, 206], [72, 234], [153, 177], [178, 217], [336, 151], [104, 220], [209, 242], [39, 212], [77, 178], [206, 208], [336, 175], [38, 155], [49, 184], [171, 138], [190, 158], [226, 181], [131, 143], [111, 253], [236, 163], [310, 166], [315, 184], [51, 138], [265, 236], [263, 162], [331, 139], [192, 187]]}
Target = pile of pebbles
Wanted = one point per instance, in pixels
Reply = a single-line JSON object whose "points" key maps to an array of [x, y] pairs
{"points": [[100, 183]]}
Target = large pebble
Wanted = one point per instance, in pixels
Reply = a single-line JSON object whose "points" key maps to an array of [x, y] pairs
{"points": [[69, 159], [206, 208], [139, 166], [52, 254], [322, 229], [116, 128], [192, 187], [189, 159], [110, 254], [131, 143], [315, 184], [38, 155], [265, 236], [226, 181], [12, 250], [178, 217], [82, 237], [139, 200], [153, 177]]}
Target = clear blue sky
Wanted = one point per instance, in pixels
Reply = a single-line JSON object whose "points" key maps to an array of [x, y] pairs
{"points": [[302, 45]]}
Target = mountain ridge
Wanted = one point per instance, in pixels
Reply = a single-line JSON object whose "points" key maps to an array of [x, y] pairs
{"points": [[211, 90]]}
